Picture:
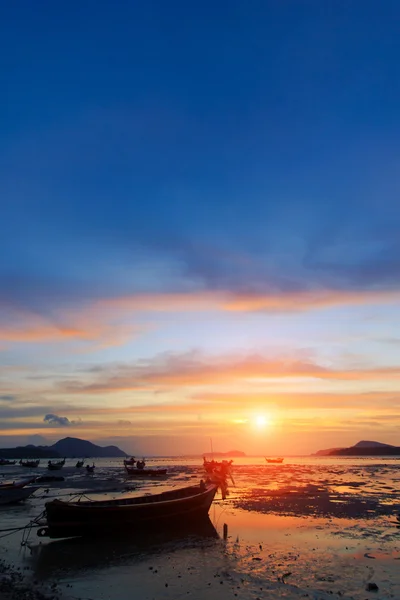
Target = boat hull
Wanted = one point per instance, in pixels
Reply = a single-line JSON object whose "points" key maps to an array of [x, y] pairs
{"points": [[17, 494], [133, 472], [105, 517]]}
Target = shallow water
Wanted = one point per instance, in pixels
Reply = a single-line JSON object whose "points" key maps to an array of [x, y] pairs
{"points": [[311, 527]]}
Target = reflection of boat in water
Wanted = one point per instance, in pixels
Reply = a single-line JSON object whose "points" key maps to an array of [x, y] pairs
{"points": [[68, 519], [55, 466], [16, 491], [277, 461], [4, 462], [31, 464], [79, 554]]}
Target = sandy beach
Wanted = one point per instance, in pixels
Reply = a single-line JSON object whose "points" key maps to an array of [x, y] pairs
{"points": [[314, 529]]}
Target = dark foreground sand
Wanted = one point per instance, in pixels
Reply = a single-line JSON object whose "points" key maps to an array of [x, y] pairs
{"points": [[13, 586]]}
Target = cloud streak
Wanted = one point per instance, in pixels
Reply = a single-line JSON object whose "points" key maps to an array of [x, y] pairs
{"points": [[195, 369], [107, 322]]}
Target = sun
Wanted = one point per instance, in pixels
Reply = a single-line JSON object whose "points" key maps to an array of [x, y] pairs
{"points": [[261, 421]]}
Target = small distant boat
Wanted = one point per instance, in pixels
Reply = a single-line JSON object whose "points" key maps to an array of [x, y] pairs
{"points": [[90, 469], [31, 464], [130, 462], [55, 466], [277, 461], [79, 464], [141, 471], [4, 462], [181, 506], [16, 491], [135, 472]]}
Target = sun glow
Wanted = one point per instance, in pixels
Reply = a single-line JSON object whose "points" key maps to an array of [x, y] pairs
{"points": [[262, 421]]}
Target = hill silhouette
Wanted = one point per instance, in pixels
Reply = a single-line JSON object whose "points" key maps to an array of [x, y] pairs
{"points": [[363, 448], [67, 447]]}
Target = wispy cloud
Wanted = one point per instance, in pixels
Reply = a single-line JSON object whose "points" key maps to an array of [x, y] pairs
{"points": [[196, 369], [107, 322]]}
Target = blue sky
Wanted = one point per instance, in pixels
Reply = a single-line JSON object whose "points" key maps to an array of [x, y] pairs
{"points": [[202, 183]]}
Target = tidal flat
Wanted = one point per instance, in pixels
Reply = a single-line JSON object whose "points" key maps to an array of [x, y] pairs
{"points": [[310, 527]]}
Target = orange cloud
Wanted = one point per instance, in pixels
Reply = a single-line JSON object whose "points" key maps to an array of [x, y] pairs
{"points": [[188, 370], [228, 301], [81, 326]]}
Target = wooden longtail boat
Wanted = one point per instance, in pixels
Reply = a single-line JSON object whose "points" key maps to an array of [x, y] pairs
{"points": [[134, 472], [71, 519], [79, 464], [4, 462], [213, 466], [277, 461], [56, 466], [16, 491], [31, 464]]}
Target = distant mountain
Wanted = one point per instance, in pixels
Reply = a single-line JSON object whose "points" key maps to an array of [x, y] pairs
{"points": [[326, 452], [28, 452], [363, 448], [231, 453], [74, 447], [367, 444], [68, 447]]}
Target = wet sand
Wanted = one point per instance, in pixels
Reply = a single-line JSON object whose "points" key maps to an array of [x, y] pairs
{"points": [[314, 531]]}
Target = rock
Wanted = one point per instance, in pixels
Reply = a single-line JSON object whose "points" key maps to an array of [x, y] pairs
{"points": [[372, 587]]}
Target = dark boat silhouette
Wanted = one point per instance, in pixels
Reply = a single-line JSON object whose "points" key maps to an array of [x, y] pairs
{"points": [[87, 518], [55, 466], [31, 464], [140, 470], [134, 472], [4, 462]]}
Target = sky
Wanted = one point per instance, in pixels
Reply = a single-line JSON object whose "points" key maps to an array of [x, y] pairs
{"points": [[200, 224]]}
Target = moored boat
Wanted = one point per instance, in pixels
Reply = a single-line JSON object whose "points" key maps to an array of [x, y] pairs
{"points": [[274, 460], [213, 466], [134, 472], [181, 506], [4, 462], [31, 464], [140, 469], [79, 464], [16, 491], [55, 466]]}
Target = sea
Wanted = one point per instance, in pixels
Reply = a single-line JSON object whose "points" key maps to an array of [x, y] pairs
{"points": [[311, 527]]}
